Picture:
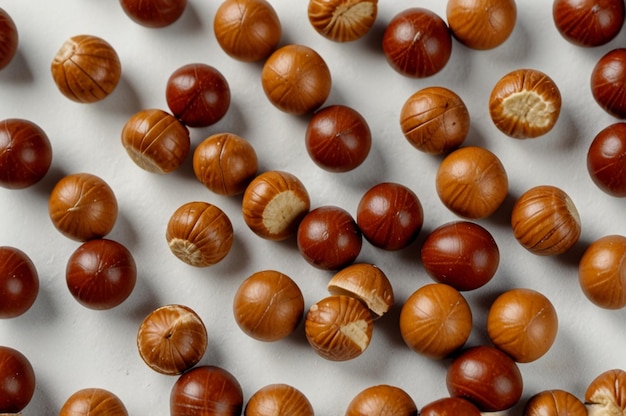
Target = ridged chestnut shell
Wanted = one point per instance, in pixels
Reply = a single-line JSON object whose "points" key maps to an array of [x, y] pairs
{"points": [[382, 400], [554, 402], [602, 272], [342, 20], [93, 402], [278, 399], [606, 394]]}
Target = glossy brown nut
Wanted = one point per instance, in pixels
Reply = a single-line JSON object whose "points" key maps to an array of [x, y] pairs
{"points": [[199, 234], [342, 20], [268, 306], [472, 182], [435, 120], [554, 403], [274, 203], [198, 95], [602, 272], [450, 406], [82, 206], [338, 138], [101, 274], [417, 43], [19, 282], [247, 30], [206, 390], [17, 380], [156, 141], [545, 221], [606, 394], [296, 79], [93, 402], [461, 254], [225, 163], [154, 13], [382, 400], [278, 399], [608, 82], [487, 377], [390, 216], [588, 23], [172, 339], [481, 24], [525, 104], [606, 160], [523, 323], [328, 238], [435, 320], [9, 38], [86, 69]]}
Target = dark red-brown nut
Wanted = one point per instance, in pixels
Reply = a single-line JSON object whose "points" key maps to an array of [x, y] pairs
{"points": [[461, 254], [435, 320], [450, 406], [274, 203], [481, 24], [19, 282], [608, 82], [382, 400], [435, 120], [545, 221], [296, 79], [154, 13], [606, 160], [588, 23], [82, 206], [338, 138], [86, 69], [247, 30], [225, 163], [606, 394], [525, 104], [268, 306], [487, 377], [17, 381], [25, 153], [329, 238], [278, 399], [342, 20], [472, 182], [206, 390], [172, 339], [156, 140], [9, 38], [602, 272], [199, 234], [417, 43], [197, 94], [93, 401], [554, 403]]}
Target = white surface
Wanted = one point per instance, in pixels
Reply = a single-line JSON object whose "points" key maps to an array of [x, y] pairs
{"points": [[72, 347]]}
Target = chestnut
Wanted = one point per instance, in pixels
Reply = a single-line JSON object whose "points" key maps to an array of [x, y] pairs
{"points": [[225, 163], [86, 69], [554, 403], [450, 406], [9, 38], [435, 120], [525, 104], [435, 320], [390, 216], [383, 400], [247, 30], [206, 390], [93, 401], [342, 20], [156, 141], [606, 160], [296, 79], [608, 82], [199, 234], [278, 399], [606, 394], [274, 203], [481, 24], [25, 153], [154, 13], [588, 23], [472, 182], [82, 206], [19, 282], [268, 305], [339, 328], [417, 43], [198, 94], [602, 272], [172, 339], [545, 221], [17, 380]]}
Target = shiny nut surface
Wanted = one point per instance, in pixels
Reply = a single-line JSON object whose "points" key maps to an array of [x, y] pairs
{"points": [[17, 380], [481, 24], [588, 23], [602, 272], [606, 160], [19, 282], [554, 403], [608, 80], [382, 400], [278, 399], [342, 20], [93, 402], [606, 394], [9, 38], [154, 14], [450, 406]]}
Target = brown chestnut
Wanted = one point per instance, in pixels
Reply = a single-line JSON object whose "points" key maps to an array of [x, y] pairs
{"points": [[545, 221], [9, 38], [554, 403], [278, 400], [82, 206], [608, 82], [382, 400], [606, 160], [602, 272], [172, 339], [17, 380], [199, 234], [342, 20], [154, 13], [588, 23], [93, 401], [268, 306], [19, 282], [481, 24], [606, 394], [450, 406], [86, 69]]}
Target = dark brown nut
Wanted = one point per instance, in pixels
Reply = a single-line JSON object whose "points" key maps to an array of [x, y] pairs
{"points": [[278, 399], [588, 23], [554, 403], [606, 394], [481, 24], [17, 381], [9, 38], [342, 20], [606, 160], [154, 13], [602, 271], [93, 402], [608, 82], [19, 282], [450, 406], [382, 400]]}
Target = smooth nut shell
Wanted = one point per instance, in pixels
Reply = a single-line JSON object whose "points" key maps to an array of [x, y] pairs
{"points": [[588, 23], [602, 272], [450, 406], [382, 400], [19, 282], [606, 160], [606, 394], [9, 39], [481, 24], [608, 82], [342, 20], [91, 401], [17, 380], [154, 13], [278, 399], [554, 403]]}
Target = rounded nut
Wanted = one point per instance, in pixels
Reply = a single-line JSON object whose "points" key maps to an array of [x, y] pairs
{"points": [[481, 24], [554, 402], [608, 82], [602, 272], [382, 399], [278, 399], [9, 39], [342, 20], [449, 406], [17, 381], [93, 401], [19, 282], [154, 14], [588, 23], [606, 160], [606, 394]]}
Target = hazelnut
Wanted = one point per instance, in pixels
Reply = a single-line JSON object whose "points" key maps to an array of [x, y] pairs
{"points": [[606, 160], [481, 24], [608, 82], [17, 381], [554, 403], [602, 272], [9, 39], [93, 402], [382, 399], [606, 394], [278, 399], [449, 406], [154, 14], [342, 20], [588, 23], [19, 282]]}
